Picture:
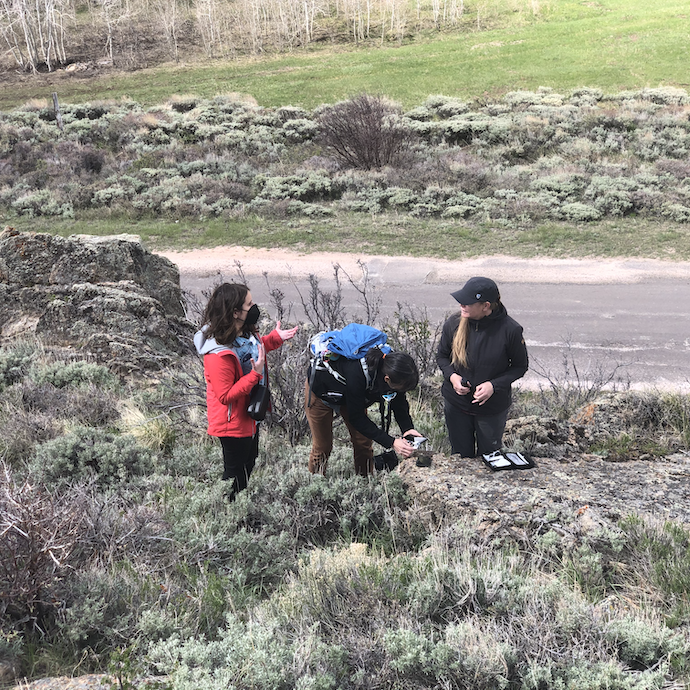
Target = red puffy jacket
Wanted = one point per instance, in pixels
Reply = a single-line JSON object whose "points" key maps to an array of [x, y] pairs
{"points": [[227, 391]]}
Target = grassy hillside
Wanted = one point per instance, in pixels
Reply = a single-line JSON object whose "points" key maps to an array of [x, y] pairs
{"points": [[612, 45], [534, 173]]}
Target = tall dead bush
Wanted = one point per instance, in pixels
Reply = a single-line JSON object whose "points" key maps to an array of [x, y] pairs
{"points": [[364, 132], [41, 541]]}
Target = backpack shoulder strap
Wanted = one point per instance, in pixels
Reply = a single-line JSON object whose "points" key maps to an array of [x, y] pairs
{"points": [[367, 373], [386, 413]]}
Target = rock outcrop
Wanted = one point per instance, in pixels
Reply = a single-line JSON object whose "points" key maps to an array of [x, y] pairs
{"points": [[589, 491], [108, 297], [571, 490]]}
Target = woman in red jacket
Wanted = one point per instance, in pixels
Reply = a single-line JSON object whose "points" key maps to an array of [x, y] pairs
{"points": [[234, 362]]}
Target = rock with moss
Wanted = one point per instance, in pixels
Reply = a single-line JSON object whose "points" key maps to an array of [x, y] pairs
{"points": [[586, 494], [108, 298], [30, 258]]}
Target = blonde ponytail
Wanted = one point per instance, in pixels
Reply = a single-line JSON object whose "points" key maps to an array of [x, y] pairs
{"points": [[459, 349]]}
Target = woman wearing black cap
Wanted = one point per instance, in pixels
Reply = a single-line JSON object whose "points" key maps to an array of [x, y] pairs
{"points": [[481, 352]]}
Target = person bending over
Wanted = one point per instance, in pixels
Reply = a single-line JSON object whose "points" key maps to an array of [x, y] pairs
{"points": [[392, 375]]}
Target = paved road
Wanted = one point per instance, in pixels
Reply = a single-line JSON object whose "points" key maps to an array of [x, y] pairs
{"points": [[598, 314]]}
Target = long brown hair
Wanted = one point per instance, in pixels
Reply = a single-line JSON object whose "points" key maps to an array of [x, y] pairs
{"points": [[219, 314], [459, 347]]}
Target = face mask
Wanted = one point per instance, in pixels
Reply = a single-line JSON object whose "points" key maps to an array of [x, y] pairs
{"points": [[253, 314], [389, 396]]}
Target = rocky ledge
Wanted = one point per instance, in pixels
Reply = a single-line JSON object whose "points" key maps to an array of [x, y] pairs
{"points": [[590, 488], [106, 297]]}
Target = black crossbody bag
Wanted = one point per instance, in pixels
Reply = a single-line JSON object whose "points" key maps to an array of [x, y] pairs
{"points": [[259, 399]]}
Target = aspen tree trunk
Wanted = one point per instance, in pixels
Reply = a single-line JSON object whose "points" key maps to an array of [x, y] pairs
{"points": [[436, 12], [8, 30], [166, 12], [206, 21], [28, 31]]}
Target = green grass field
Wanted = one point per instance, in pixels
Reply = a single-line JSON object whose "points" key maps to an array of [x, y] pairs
{"points": [[612, 45], [395, 235]]}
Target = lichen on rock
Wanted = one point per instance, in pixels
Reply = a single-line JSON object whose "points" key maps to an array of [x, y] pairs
{"points": [[108, 297]]}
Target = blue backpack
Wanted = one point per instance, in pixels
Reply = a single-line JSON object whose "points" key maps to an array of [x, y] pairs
{"points": [[352, 342]]}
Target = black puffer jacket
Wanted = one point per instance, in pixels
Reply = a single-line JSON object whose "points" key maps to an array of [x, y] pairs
{"points": [[496, 352]]}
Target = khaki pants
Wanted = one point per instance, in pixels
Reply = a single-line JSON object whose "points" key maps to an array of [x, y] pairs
{"points": [[320, 418]]}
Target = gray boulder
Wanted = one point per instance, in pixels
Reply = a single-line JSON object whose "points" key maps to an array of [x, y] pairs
{"points": [[28, 259], [109, 298]]}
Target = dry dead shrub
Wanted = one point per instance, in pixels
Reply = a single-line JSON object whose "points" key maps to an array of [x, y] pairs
{"points": [[41, 541], [364, 132], [20, 431], [50, 542], [89, 404]]}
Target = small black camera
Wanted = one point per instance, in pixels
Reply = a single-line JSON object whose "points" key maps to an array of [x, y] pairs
{"points": [[387, 460]]}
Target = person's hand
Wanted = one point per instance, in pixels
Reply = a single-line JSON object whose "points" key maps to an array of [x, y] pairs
{"points": [[483, 392], [403, 447], [456, 382], [258, 365], [412, 432], [286, 334]]}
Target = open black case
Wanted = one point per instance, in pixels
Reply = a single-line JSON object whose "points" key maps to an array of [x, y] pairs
{"points": [[507, 460]]}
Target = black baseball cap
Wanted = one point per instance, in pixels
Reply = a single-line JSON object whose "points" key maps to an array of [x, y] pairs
{"points": [[477, 289]]}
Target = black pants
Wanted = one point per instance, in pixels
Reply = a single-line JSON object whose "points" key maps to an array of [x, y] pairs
{"points": [[474, 434], [239, 455]]}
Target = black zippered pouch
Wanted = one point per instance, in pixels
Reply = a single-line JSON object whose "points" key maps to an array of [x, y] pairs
{"points": [[508, 460]]}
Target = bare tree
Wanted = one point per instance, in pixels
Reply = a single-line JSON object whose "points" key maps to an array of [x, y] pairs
{"points": [[207, 16], [167, 12], [116, 15], [398, 17], [369, 296], [34, 31]]}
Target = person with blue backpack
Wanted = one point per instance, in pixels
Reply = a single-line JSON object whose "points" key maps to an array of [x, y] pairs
{"points": [[351, 370], [234, 363]]}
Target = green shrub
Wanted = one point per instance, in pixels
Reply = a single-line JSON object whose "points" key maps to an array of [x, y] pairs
{"points": [[309, 210], [14, 365], [590, 676], [88, 453], [99, 610], [644, 645], [312, 187], [444, 106], [63, 374], [586, 96], [562, 186], [580, 213], [41, 203], [662, 555], [300, 129], [678, 213]]}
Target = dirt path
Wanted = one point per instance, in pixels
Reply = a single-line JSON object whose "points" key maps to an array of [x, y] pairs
{"points": [[279, 263]]}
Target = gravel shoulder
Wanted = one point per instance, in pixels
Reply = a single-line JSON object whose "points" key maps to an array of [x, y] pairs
{"points": [[420, 270]]}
